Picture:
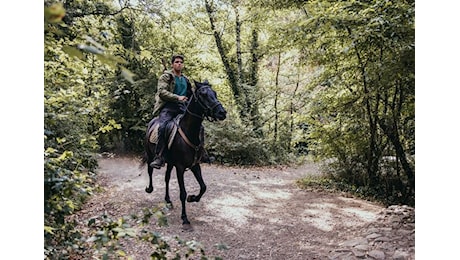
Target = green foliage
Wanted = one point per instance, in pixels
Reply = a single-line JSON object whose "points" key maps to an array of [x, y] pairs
{"points": [[74, 104], [67, 183], [84, 78], [389, 191], [106, 235], [361, 105], [132, 100], [231, 143], [68, 159], [317, 182], [102, 238]]}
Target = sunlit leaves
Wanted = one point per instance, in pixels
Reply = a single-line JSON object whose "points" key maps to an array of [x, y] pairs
{"points": [[65, 155], [146, 54], [73, 52], [49, 229], [100, 53], [109, 126], [54, 13], [90, 49], [127, 74]]}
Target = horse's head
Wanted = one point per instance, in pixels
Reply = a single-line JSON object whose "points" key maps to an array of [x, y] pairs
{"points": [[207, 98]]}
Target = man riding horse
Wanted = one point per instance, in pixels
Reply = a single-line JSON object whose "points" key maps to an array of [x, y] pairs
{"points": [[173, 90]]}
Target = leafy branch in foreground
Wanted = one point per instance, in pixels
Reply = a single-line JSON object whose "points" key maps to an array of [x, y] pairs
{"points": [[53, 24], [106, 235]]}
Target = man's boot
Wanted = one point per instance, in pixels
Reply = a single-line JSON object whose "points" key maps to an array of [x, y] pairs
{"points": [[159, 161]]}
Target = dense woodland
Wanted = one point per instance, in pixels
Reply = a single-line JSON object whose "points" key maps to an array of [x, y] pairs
{"points": [[329, 80]]}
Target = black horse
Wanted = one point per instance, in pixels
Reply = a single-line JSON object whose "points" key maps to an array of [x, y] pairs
{"points": [[184, 151]]}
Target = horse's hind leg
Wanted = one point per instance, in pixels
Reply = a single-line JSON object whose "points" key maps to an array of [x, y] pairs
{"points": [[183, 196], [196, 169], [149, 189], [167, 178]]}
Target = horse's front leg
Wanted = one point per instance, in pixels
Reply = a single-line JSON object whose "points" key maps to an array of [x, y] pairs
{"points": [[196, 169], [149, 189], [183, 196], [167, 178]]}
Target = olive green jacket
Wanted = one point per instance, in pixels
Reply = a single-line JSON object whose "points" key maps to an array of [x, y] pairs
{"points": [[165, 91]]}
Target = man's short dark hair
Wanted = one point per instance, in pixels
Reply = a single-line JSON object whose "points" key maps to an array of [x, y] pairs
{"points": [[174, 57]]}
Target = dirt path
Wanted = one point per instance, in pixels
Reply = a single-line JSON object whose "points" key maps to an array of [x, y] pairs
{"points": [[256, 213]]}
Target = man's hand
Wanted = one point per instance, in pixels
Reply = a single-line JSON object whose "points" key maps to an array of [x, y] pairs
{"points": [[183, 98]]}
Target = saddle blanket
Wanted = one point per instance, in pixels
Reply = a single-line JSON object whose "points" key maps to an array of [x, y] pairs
{"points": [[153, 138], [171, 130]]}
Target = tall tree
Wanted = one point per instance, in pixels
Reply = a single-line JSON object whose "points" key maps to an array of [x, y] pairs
{"points": [[242, 81]]}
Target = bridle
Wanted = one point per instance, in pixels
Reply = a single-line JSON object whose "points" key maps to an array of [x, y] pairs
{"points": [[207, 113], [207, 110]]}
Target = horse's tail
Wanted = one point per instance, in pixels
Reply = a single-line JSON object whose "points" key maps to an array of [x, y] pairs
{"points": [[144, 160], [145, 156]]}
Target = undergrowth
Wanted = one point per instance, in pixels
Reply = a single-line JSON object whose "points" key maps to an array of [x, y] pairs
{"points": [[325, 183]]}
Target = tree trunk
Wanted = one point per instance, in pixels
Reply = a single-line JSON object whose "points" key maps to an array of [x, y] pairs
{"points": [[238, 46], [228, 69], [244, 97], [253, 80], [245, 100], [372, 154], [291, 110], [275, 134], [392, 134]]}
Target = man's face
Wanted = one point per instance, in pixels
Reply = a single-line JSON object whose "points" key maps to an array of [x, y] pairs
{"points": [[178, 64]]}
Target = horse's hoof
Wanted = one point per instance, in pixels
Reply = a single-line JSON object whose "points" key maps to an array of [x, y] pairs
{"points": [[187, 227], [192, 198], [149, 189], [169, 205]]}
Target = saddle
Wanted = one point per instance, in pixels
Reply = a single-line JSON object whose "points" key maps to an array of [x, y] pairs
{"points": [[170, 130]]}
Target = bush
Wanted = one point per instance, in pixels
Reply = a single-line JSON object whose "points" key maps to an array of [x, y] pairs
{"points": [[233, 144]]}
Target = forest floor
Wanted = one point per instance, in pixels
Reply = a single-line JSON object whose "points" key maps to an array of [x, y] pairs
{"points": [[255, 213]]}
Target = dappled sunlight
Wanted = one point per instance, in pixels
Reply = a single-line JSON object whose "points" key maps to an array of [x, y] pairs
{"points": [[325, 216], [360, 209], [364, 215], [234, 209], [319, 216], [237, 208], [268, 199], [270, 194]]}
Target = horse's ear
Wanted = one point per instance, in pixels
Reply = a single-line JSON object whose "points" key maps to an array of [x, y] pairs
{"points": [[206, 82], [194, 83], [197, 84]]}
